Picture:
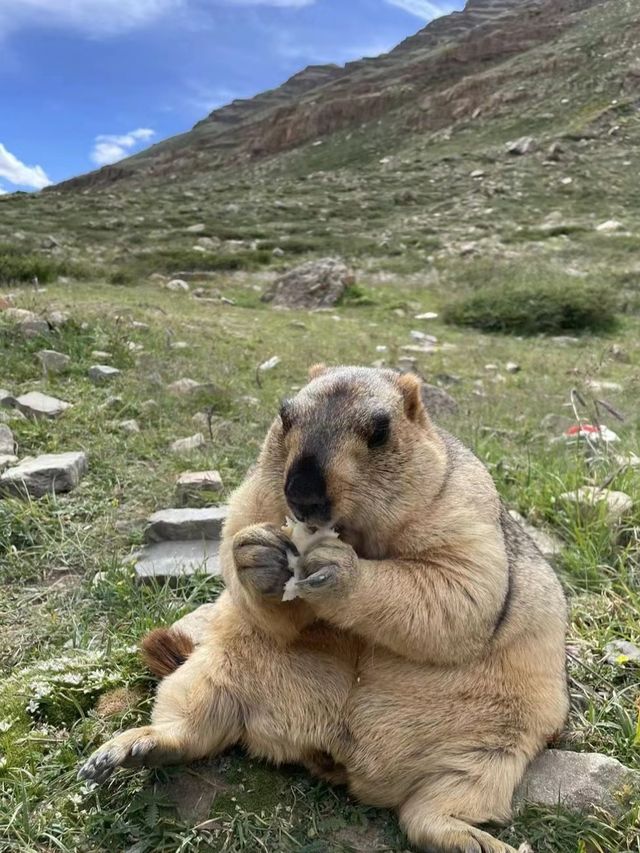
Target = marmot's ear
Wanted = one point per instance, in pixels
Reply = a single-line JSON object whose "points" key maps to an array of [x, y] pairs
{"points": [[317, 370], [411, 388]]}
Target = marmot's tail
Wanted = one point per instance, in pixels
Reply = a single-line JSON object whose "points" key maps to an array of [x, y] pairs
{"points": [[164, 650]]}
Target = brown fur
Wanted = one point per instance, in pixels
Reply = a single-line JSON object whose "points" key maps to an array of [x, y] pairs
{"points": [[164, 650], [423, 664]]}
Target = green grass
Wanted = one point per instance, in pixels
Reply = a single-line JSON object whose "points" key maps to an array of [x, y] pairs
{"points": [[67, 640]]}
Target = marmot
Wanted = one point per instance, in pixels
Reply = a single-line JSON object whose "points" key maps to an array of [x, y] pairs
{"points": [[422, 663]]}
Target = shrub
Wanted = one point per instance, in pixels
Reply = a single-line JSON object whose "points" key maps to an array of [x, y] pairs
{"points": [[529, 305], [20, 266]]}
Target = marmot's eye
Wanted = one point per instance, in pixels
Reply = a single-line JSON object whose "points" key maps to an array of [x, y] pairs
{"points": [[286, 415], [380, 429]]}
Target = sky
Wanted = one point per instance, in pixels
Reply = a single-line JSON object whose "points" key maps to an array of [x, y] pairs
{"points": [[84, 83]]}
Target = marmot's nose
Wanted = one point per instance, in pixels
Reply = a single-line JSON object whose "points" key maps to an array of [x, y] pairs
{"points": [[306, 491]]}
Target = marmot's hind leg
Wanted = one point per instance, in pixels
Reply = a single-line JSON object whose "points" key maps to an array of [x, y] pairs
{"points": [[441, 816], [192, 719]]}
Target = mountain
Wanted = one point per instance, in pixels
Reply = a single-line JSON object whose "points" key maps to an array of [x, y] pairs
{"points": [[439, 74]]}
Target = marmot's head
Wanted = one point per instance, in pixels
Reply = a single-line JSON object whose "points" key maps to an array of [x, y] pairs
{"points": [[358, 448]]}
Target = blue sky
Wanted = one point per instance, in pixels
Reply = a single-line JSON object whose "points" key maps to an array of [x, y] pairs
{"points": [[86, 82]]}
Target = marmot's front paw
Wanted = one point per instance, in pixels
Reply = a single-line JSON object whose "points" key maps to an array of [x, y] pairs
{"points": [[327, 569], [261, 554]]}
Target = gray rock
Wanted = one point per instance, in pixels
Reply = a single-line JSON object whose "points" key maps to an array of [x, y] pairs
{"points": [[198, 228], [49, 243], [524, 145], [512, 367], [189, 445], [7, 443], [176, 524], [197, 623], [596, 502], [6, 398], [41, 475], [52, 361], [195, 486], [113, 402], [165, 560], [579, 781], [620, 652], [177, 285], [18, 315], [437, 401], [184, 386], [101, 373], [131, 426], [548, 545], [38, 405], [101, 355], [192, 792], [57, 319], [34, 328], [316, 284], [269, 364], [6, 460]]}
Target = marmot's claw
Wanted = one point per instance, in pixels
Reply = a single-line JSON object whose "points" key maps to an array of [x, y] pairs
{"points": [[324, 579], [99, 767]]}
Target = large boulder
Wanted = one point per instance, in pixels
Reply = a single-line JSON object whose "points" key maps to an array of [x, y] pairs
{"points": [[41, 475], [316, 284]]}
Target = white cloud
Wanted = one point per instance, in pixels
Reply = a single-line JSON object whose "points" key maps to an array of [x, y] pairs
{"points": [[3, 191], [424, 8], [16, 172], [111, 147]]}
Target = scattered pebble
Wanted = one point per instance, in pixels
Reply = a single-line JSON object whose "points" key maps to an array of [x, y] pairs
{"points": [[130, 426], [101, 373], [189, 445], [52, 361]]}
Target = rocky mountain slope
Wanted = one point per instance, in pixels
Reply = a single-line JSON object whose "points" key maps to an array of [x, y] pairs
{"points": [[435, 76]]}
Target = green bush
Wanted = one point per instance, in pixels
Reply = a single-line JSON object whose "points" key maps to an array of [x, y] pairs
{"points": [[529, 305], [18, 266], [176, 260]]}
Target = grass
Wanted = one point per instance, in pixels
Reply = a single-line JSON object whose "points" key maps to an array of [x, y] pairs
{"points": [[67, 641]]}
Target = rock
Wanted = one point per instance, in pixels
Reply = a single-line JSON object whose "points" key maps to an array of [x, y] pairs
{"points": [[524, 145], [49, 243], [52, 361], [197, 623], [57, 319], [610, 226], [198, 228], [131, 426], [137, 324], [183, 386], [437, 401], [189, 445], [18, 315], [34, 328], [38, 405], [177, 285], [428, 315], [620, 354], [512, 367], [208, 243], [600, 387], [184, 524], [165, 560], [101, 373], [193, 486], [7, 459], [147, 407], [7, 444], [620, 652], [278, 252], [594, 501], [113, 402], [316, 284], [629, 460], [101, 355], [41, 475], [550, 546], [179, 345], [272, 362], [579, 781], [555, 152]]}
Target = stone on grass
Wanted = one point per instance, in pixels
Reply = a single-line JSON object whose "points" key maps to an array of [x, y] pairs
{"points": [[620, 652], [101, 373], [58, 318], [101, 355], [7, 443], [183, 524], [38, 405], [524, 145], [198, 228], [428, 315], [164, 560], [594, 501], [437, 401], [113, 402], [195, 486], [6, 460], [6, 398], [177, 285], [183, 386], [18, 315], [189, 445], [131, 426], [316, 284], [41, 475], [512, 367], [601, 387], [579, 781], [610, 226], [549, 546], [52, 361], [270, 363], [196, 624], [34, 328]]}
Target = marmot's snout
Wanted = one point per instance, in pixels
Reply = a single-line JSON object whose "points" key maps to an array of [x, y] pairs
{"points": [[306, 491]]}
